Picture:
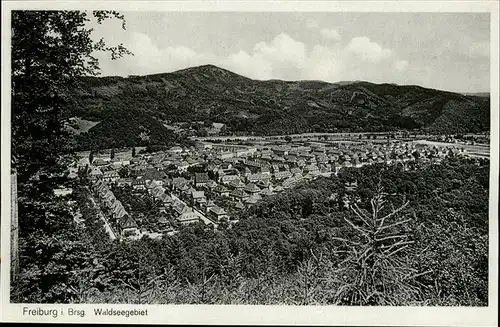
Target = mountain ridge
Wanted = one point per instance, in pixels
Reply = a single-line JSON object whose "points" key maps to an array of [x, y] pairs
{"points": [[247, 106]]}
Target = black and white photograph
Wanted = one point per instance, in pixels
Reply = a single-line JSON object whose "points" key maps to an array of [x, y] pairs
{"points": [[278, 158]]}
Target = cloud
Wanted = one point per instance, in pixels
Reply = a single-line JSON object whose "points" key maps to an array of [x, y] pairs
{"points": [[324, 63], [286, 58], [253, 66], [148, 58], [368, 50], [281, 57], [331, 34], [282, 48]]}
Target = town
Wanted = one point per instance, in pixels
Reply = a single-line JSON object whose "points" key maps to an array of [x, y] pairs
{"points": [[155, 193]]}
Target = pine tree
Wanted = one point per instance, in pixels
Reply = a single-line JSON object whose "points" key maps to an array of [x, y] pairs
{"points": [[375, 270], [50, 51]]}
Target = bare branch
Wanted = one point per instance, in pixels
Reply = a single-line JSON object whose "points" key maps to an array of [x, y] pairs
{"points": [[390, 237], [361, 230], [392, 225], [345, 240], [360, 214], [392, 214]]}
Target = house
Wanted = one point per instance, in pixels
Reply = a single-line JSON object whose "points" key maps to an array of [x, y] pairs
{"points": [[185, 189], [83, 162], [199, 197], [139, 169], [178, 182], [280, 151], [155, 190], [258, 177], [152, 174], [266, 192], [211, 184], [96, 173], [124, 181], [117, 163], [166, 199], [312, 175], [99, 186], [254, 198], [221, 190], [282, 174], [266, 157], [139, 184], [278, 189], [237, 183], [255, 163], [238, 194], [110, 176], [191, 190], [264, 183], [239, 205], [217, 213], [224, 155], [180, 207], [99, 162], [311, 168], [209, 204], [291, 182], [201, 179], [127, 226], [266, 152], [265, 170], [194, 161], [252, 188], [188, 217], [176, 149], [226, 179], [118, 210]]}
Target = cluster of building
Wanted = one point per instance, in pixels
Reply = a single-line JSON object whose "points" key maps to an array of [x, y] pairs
{"points": [[210, 182], [116, 214]]}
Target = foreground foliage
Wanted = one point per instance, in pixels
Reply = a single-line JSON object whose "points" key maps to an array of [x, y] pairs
{"points": [[417, 237]]}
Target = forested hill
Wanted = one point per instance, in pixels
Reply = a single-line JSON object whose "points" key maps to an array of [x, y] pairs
{"points": [[210, 93]]}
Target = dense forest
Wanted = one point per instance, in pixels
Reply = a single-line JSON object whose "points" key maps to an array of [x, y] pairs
{"points": [[126, 129], [211, 94], [402, 237]]}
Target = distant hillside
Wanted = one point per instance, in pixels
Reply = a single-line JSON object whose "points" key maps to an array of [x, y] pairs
{"points": [[136, 106]]}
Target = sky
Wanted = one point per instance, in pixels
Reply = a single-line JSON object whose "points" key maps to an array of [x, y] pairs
{"points": [[447, 51]]}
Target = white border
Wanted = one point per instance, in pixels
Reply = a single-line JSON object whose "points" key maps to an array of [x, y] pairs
{"points": [[313, 315]]}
